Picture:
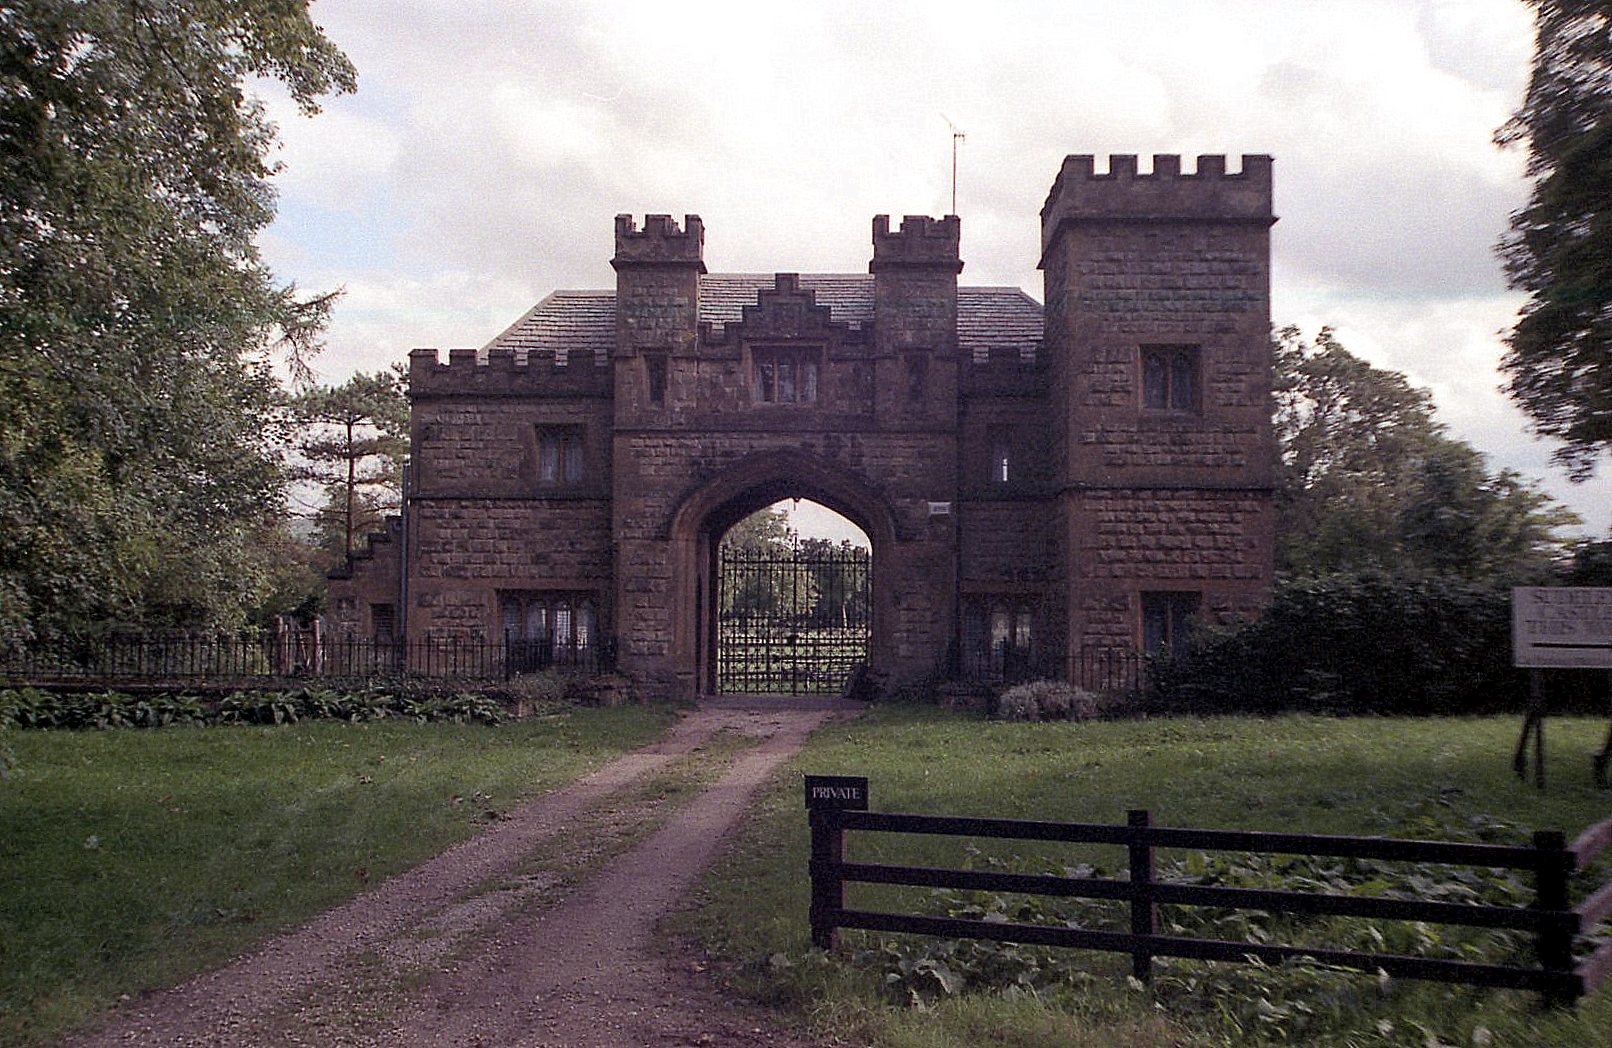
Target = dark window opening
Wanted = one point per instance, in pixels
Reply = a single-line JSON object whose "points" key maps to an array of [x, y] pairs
{"points": [[383, 620], [655, 369], [917, 377], [1001, 462], [1167, 621], [559, 454], [1170, 378], [785, 376]]}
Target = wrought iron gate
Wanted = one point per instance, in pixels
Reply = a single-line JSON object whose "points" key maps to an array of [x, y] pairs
{"points": [[791, 620]]}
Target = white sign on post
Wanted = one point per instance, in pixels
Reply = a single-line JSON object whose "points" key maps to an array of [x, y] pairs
{"points": [[1561, 628]]}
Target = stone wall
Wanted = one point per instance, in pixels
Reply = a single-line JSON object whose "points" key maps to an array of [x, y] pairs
{"points": [[467, 550]]}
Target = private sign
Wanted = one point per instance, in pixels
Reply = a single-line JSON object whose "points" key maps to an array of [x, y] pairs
{"points": [[846, 792], [1561, 627]]}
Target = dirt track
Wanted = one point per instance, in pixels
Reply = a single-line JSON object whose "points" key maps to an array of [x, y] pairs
{"points": [[426, 960]]}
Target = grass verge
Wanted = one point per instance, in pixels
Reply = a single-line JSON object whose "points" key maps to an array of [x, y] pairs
{"points": [[131, 860], [1384, 776]]}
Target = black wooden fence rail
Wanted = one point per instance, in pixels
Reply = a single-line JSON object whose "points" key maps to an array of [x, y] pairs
{"points": [[1552, 922]]}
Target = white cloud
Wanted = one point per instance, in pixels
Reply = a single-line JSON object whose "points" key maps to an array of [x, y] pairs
{"points": [[492, 141]]}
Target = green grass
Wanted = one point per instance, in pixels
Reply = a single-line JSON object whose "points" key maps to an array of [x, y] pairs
{"points": [[1380, 776], [131, 859]]}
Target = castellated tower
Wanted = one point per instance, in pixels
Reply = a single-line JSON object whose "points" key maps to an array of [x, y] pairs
{"points": [[915, 295], [1157, 338]]}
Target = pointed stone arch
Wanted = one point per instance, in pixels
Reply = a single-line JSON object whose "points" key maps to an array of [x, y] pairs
{"points": [[751, 483]]}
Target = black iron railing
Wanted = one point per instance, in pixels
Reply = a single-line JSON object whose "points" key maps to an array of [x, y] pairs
{"points": [[228, 658]]}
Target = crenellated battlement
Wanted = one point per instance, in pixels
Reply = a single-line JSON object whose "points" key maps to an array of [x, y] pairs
{"points": [[1165, 194], [504, 373], [660, 242], [921, 241]]}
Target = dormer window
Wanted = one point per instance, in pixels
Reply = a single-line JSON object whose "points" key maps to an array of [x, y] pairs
{"points": [[784, 376]]}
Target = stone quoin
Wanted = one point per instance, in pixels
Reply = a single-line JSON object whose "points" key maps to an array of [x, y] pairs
{"points": [[1084, 475]]}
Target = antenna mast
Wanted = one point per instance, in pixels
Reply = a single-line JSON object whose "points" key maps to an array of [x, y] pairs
{"points": [[957, 136]]}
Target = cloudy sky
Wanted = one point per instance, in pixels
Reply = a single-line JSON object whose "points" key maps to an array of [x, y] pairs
{"points": [[491, 142]]}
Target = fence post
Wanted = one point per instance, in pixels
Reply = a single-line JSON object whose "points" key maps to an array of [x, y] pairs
{"points": [[1555, 941], [1144, 914], [828, 889]]}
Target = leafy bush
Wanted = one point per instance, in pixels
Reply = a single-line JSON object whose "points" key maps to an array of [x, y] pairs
{"points": [[37, 708], [28, 708], [1042, 700], [1354, 643]]}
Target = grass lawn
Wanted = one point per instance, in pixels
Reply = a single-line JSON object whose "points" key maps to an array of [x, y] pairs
{"points": [[131, 859], [1396, 777]]}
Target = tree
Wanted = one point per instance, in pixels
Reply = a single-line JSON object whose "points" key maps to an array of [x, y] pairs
{"points": [[1559, 248], [138, 441], [351, 440], [1369, 479], [840, 573], [764, 531], [761, 584]]}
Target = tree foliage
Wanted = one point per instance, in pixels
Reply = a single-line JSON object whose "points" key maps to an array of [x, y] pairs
{"points": [[1559, 248], [137, 442], [814, 581], [1370, 480], [764, 531], [351, 440]]}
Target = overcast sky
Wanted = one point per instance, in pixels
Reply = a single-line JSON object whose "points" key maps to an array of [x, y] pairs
{"points": [[491, 142]]}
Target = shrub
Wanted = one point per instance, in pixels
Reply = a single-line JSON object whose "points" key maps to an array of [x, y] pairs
{"points": [[1040, 700], [1366, 643]]}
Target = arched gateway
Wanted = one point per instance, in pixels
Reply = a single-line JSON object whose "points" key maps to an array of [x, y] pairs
{"points": [[1038, 484], [753, 483]]}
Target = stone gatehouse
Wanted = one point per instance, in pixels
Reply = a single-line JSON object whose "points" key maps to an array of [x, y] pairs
{"points": [[1075, 477]]}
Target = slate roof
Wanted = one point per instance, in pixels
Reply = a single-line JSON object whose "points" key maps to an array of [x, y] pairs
{"points": [[565, 322], [1004, 319], [999, 319]]}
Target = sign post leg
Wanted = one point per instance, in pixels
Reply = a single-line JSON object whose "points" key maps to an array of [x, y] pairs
{"points": [[1599, 762], [828, 889]]}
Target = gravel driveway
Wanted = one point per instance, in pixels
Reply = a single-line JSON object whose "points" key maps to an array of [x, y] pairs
{"points": [[433, 958]]}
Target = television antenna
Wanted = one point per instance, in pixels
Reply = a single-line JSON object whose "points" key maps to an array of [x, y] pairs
{"points": [[957, 136]]}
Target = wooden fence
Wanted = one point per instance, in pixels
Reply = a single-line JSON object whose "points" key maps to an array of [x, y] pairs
{"points": [[1551, 920]]}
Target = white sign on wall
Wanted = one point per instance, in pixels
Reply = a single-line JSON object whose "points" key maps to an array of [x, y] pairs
{"points": [[1561, 628]]}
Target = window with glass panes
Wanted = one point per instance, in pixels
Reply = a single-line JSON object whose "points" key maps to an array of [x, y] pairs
{"points": [[1170, 378], [998, 634], [559, 623], [1167, 620], [784, 375], [559, 455]]}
